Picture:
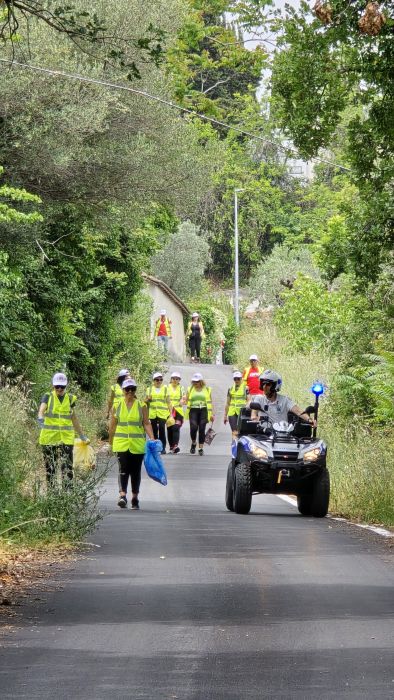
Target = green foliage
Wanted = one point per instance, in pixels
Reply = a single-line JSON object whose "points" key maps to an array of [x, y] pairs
{"points": [[88, 31], [230, 333], [373, 384], [279, 271], [182, 261], [134, 347]]}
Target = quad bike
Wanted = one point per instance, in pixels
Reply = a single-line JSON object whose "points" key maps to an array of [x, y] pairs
{"points": [[279, 458]]}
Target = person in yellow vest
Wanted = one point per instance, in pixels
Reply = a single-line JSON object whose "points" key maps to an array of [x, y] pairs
{"points": [[236, 399], [160, 408], [251, 377], [163, 331], [58, 423], [116, 390], [128, 429], [199, 411], [177, 396]]}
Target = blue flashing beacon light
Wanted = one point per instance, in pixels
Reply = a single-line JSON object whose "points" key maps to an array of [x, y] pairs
{"points": [[317, 389]]}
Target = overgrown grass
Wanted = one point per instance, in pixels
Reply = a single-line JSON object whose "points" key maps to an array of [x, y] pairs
{"points": [[360, 456]]}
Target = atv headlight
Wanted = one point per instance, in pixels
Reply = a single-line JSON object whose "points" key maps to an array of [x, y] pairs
{"points": [[259, 452], [312, 455]]}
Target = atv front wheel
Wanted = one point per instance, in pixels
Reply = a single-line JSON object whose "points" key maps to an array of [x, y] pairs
{"points": [[242, 489], [320, 494], [230, 488]]}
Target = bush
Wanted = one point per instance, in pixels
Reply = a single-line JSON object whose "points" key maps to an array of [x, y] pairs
{"points": [[135, 349], [279, 271]]}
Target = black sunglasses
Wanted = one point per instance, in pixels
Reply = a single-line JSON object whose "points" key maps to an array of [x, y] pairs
{"points": [[158, 379], [130, 388], [58, 386]]}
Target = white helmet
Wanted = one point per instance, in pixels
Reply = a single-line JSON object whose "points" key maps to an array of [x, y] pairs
{"points": [[270, 376], [175, 375], [59, 379], [237, 374], [253, 357], [197, 377], [123, 373], [163, 312], [195, 314], [157, 375]]}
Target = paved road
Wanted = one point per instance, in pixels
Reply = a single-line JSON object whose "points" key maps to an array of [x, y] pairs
{"points": [[186, 600]]}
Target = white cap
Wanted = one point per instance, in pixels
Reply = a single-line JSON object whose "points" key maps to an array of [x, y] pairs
{"points": [[129, 382], [237, 374], [59, 379], [175, 375], [163, 312], [157, 375], [123, 373], [195, 314], [253, 357], [197, 377]]}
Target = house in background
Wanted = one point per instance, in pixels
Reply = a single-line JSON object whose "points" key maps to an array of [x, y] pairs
{"points": [[164, 298]]}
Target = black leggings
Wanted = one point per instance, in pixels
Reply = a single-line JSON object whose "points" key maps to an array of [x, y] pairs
{"points": [[233, 420], [198, 418], [58, 456], [159, 430], [174, 430], [195, 345], [129, 466]]}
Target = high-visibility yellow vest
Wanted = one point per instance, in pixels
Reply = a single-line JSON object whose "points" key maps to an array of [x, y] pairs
{"points": [[195, 402], [175, 394], [167, 325], [58, 428], [129, 433], [158, 405], [117, 390], [237, 399]]}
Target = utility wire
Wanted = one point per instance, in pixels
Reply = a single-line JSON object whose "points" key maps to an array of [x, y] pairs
{"points": [[143, 93]]}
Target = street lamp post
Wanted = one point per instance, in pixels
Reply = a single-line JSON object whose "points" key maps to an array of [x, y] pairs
{"points": [[236, 259]]}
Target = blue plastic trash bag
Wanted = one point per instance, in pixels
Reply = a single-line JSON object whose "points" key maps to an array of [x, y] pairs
{"points": [[153, 462]]}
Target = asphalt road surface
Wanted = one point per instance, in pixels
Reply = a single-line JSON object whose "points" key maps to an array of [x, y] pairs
{"points": [[186, 600]]}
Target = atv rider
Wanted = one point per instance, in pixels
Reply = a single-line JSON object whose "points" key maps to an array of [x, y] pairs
{"points": [[274, 406]]}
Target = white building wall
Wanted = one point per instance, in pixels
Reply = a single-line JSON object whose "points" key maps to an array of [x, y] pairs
{"points": [[176, 346]]}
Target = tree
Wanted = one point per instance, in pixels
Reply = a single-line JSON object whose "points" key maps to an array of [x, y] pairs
{"points": [[86, 29], [182, 262]]}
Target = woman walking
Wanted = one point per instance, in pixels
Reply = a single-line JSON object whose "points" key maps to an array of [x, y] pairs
{"points": [[177, 396], [200, 411], [128, 428], [195, 333], [159, 408], [236, 399]]}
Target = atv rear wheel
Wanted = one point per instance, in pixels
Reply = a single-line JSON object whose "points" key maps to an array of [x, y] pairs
{"points": [[320, 494], [230, 488], [242, 489], [304, 503]]}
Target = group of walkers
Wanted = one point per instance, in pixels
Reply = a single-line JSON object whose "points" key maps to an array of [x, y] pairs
{"points": [[160, 415], [194, 334]]}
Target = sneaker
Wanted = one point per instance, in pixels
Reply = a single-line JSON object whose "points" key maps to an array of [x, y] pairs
{"points": [[176, 450], [193, 449], [135, 504], [200, 451], [122, 503], [163, 452]]}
